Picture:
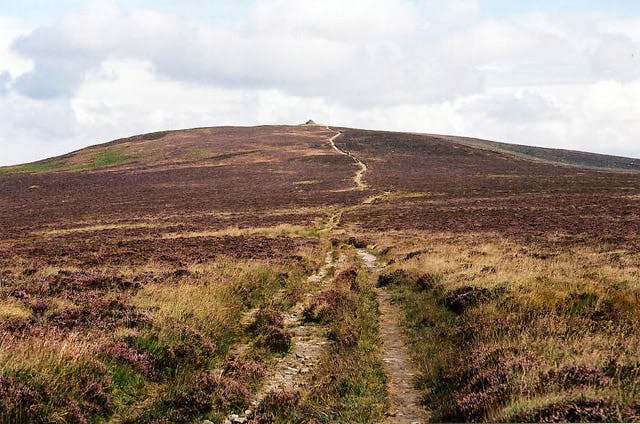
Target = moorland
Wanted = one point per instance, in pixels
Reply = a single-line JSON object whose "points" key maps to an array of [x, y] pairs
{"points": [[319, 274]]}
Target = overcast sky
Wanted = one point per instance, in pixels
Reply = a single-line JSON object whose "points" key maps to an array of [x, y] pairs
{"points": [[556, 73]]}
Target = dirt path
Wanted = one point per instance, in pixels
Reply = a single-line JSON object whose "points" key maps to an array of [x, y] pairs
{"points": [[290, 371], [360, 185], [404, 399]]}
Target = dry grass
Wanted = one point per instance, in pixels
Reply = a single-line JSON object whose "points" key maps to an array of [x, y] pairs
{"points": [[511, 332], [278, 230], [68, 351], [97, 227], [13, 309]]}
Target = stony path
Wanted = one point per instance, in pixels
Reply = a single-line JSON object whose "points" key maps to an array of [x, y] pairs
{"points": [[360, 185], [308, 340], [404, 399]]}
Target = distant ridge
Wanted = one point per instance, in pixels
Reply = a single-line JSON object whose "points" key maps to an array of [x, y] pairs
{"points": [[553, 156]]}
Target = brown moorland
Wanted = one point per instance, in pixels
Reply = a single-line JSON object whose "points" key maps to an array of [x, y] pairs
{"points": [[150, 278]]}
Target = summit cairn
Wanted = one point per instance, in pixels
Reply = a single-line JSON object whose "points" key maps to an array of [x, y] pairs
{"points": [[310, 122]]}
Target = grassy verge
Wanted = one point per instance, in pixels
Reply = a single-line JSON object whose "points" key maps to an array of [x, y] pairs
{"points": [[508, 333]]}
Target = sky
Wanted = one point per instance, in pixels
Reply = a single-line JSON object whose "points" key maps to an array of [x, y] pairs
{"points": [[562, 73]]}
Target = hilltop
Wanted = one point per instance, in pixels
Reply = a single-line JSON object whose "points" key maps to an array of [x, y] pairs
{"points": [[180, 147]]}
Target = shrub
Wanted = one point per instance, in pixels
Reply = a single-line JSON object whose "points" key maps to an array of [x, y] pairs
{"points": [[412, 255], [19, 401], [200, 394], [242, 369], [576, 375], [180, 345], [398, 277], [357, 243], [142, 361], [268, 315], [325, 306], [276, 339], [278, 404], [345, 333], [427, 281], [579, 410], [465, 297], [39, 308]]}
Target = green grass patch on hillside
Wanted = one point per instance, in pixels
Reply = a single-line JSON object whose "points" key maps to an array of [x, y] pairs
{"points": [[46, 166], [97, 160], [105, 159]]}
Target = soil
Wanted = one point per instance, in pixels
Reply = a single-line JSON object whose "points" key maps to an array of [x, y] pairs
{"points": [[404, 399]]}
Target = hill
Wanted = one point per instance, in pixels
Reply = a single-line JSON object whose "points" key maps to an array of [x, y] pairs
{"points": [[319, 274], [554, 156]]}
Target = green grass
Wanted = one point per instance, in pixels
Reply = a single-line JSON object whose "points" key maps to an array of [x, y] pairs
{"points": [[104, 159], [45, 166], [97, 160], [127, 385]]}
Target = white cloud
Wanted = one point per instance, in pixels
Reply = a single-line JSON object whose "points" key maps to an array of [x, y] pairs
{"points": [[354, 21], [354, 53], [106, 71], [617, 57], [10, 62]]}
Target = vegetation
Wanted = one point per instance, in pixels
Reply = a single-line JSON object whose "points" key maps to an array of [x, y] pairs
{"points": [[42, 166], [97, 160], [105, 159], [556, 156], [509, 333], [137, 355], [215, 272], [349, 383]]}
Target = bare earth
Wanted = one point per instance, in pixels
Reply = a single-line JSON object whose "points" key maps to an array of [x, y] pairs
{"points": [[404, 399]]}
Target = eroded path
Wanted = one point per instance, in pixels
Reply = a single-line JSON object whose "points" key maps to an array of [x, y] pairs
{"points": [[360, 185], [404, 399], [308, 341], [289, 372]]}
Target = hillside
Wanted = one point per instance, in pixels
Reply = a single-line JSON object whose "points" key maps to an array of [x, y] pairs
{"points": [[554, 156], [319, 274]]}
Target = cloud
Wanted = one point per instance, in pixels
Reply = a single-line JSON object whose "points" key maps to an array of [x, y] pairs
{"points": [[108, 70], [5, 78], [617, 57], [353, 21], [520, 107], [10, 62], [353, 53]]}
